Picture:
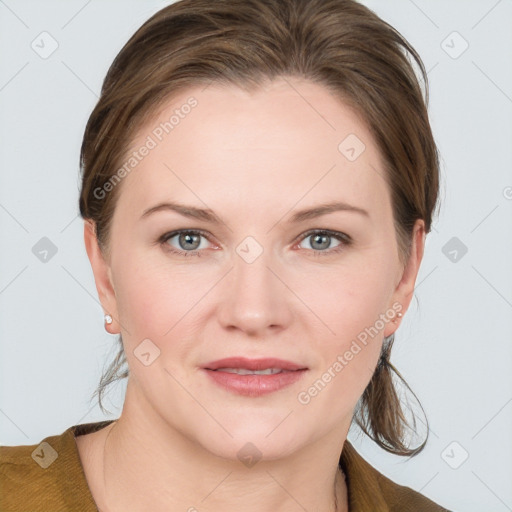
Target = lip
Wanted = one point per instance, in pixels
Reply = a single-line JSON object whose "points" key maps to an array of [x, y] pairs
{"points": [[254, 385], [253, 364]]}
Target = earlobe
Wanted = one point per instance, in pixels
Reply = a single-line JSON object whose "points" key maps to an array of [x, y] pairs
{"points": [[102, 277], [405, 289]]}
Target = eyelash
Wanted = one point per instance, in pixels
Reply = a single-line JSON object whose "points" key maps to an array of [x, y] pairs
{"points": [[342, 237]]}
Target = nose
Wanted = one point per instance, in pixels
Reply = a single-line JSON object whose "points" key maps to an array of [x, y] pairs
{"points": [[254, 298]]}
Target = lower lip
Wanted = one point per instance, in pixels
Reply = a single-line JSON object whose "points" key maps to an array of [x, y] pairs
{"points": [[254, 385]]}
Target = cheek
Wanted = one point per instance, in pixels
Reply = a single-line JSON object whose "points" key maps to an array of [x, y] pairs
{"points": [[160, 301], [351, 299], [150, 301], [356, 312]]}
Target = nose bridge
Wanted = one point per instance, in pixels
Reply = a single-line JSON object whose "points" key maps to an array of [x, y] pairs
{"points": [[254, 297], [251, 267]]}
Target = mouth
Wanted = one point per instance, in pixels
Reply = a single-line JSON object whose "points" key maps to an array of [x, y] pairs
{"points": [[245, 371], [254, 377], [270, 365]]}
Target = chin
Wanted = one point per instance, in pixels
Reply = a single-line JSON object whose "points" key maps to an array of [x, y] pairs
{"points": [[253, 440]]}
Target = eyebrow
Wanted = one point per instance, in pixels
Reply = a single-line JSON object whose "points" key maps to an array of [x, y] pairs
{"points": [[207, 215]]}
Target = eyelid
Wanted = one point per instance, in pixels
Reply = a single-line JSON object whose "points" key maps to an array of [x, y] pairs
{"points": [[335, 234], [344, 239], [171, 234]]}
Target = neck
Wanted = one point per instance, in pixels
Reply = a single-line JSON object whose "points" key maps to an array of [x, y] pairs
{"points": [[148, 465]]}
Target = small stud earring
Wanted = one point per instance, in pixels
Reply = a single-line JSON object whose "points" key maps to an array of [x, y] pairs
{"points": [[398, 315], [108, 319]]}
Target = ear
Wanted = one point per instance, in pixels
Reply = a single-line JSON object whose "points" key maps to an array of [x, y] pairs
{"points": [[102, 276], [405, 289]]}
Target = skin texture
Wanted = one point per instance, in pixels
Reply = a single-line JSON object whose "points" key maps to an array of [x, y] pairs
{"points": [[254, 158]]}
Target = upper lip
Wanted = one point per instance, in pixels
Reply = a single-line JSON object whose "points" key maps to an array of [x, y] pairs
{"points": [[253, 364]]}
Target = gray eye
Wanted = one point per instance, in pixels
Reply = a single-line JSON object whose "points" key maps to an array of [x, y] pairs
{"points": [[186, 241], [189, 241], [320, 241]]}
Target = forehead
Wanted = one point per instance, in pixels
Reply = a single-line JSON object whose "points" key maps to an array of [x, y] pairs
{"points": [[288, 140]]}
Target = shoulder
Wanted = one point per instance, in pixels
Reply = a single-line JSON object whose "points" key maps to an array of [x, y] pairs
{"points": [[403, 498], [26, 476], [44, 476], [368, 489]]}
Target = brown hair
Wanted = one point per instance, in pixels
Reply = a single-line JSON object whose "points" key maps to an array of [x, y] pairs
{"points": [[339, 44]]}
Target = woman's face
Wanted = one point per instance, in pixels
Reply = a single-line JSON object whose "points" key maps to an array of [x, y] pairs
{"points": [[248, 277]]}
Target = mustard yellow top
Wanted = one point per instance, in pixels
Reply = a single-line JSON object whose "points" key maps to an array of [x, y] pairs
{"points": [[49, 477]]}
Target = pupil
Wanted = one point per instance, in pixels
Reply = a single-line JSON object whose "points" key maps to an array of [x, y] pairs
{"points": [[325, 243], [186, 238]]}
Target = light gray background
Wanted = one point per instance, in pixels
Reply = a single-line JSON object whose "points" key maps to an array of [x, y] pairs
{"points": [[454, 346]]}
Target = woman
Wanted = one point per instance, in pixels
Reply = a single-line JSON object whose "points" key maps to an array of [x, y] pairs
{"points": [[258, 180]]}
